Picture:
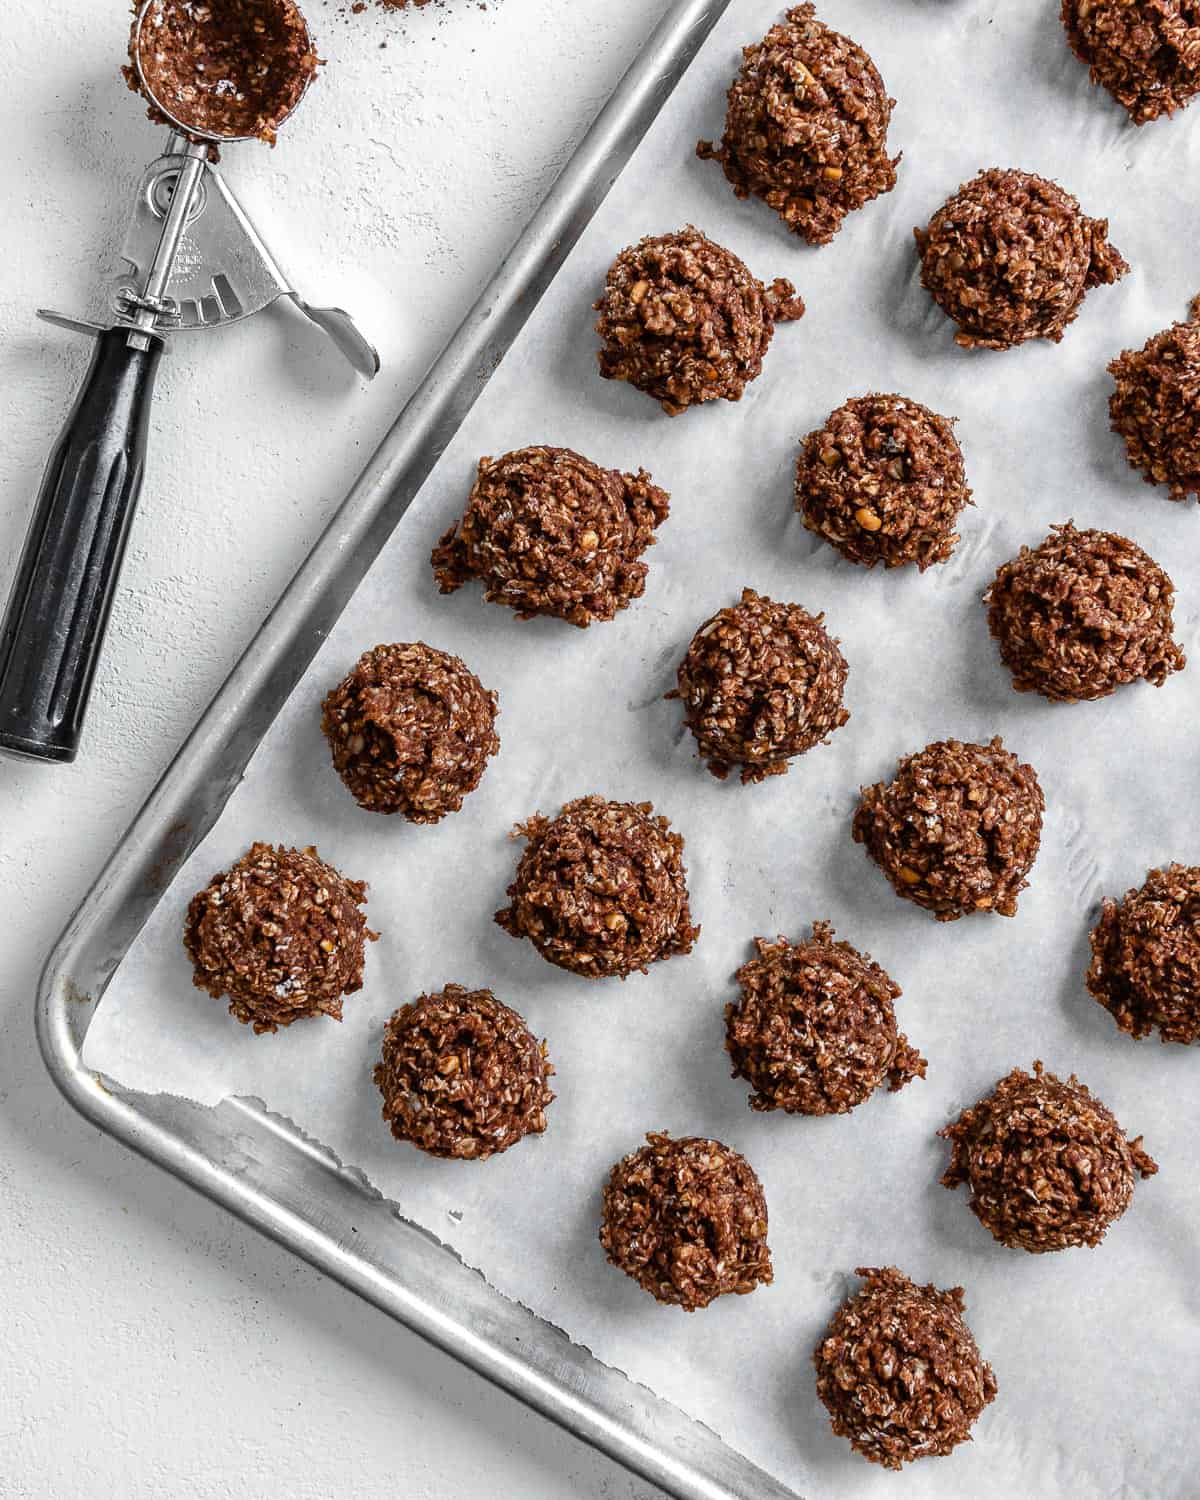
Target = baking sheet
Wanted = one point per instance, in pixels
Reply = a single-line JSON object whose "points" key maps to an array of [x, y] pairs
{"points": [[1095, 1352]]}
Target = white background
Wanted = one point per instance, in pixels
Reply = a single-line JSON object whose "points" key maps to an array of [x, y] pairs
{"points": [[152, 1346]]}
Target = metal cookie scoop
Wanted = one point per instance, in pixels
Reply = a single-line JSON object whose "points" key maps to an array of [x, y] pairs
{"points": [[193, 261]]}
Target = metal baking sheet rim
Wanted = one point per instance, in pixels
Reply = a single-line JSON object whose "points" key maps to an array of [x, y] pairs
{"points": [[262, 1167]]}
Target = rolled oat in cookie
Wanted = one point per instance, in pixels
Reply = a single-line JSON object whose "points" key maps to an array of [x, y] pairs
{"points": [[806, 127], [958, 828], [601, 889], [899, 1371], [814, 1032], [411, 730], [548, 532], [462, 1075], [1047, 1164], [1010, 257], [1146, 53], [683, 320], [1155, 407], [761, 682], [1083, 614], [1145, 966], [884, 482], [280, 934], [687, 1220]]}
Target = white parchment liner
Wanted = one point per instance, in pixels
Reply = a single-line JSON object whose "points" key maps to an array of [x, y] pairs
{"points": [[1096, 1352]]}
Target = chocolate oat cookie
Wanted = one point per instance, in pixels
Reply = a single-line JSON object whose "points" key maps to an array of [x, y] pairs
{"points": [[1145, 965], [900, 1372], [814, 1032], [1156, 406], [601, 890], [548, 532], [280, 934], [227, 68], [410, 730], [684, 320], [1010, 256], [1047, 1164], [761, 682], [806, 128], [1146, 53], [1083, 614], [687, 1220], [957, 830], [462, 1075], [883, 482]]}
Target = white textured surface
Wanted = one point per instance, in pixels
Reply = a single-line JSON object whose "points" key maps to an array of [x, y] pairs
{"points": [[153, 1347]]}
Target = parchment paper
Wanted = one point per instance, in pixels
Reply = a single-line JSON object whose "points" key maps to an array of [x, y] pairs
{"points": [[1096, 1352]]}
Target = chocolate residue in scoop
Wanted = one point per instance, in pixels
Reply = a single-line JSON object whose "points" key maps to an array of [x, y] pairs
{"points": [[229, 69]]}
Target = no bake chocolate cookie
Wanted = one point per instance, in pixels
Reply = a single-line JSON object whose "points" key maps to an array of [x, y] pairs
{"points": [[1047, 1164], [280, 934], [1155, 407], [814, 1031], [1145, 965], [462, 1075], [687, 1220], [1010, 257], [548, 532], [682, 319], [761, 682], [1146, 53], [806, 127]]}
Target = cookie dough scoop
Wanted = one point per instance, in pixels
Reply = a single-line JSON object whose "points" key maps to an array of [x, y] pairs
{"points": [[230, 70]]}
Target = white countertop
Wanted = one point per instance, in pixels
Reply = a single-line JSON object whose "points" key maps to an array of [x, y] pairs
{"points": [[153, 1347]]}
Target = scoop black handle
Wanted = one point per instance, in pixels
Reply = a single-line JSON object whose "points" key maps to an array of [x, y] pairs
{"points": [[59, 606]]}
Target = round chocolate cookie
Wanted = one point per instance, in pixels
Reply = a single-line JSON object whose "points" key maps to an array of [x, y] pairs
{"points": [[684, 320], [761, 682], [1047, 1164], [1082, 615], [899, 1371], [814, 1032], [883, 481], [687, 1220], [806, 128], [280, 934], [1145, 965], [410, 730], [1146, 53], [462, 1075], [548, 532], [601, 890], [1010, 256], [1156, 406], [957, 830]]}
